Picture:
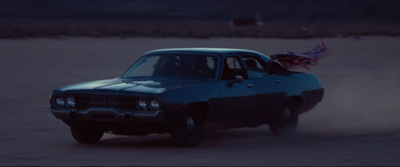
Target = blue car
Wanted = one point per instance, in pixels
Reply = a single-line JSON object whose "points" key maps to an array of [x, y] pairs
{"points": [[186, 91]]}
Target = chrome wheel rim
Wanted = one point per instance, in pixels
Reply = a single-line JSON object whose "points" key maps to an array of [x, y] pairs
{"points": [[287, 115], [190, 124]]}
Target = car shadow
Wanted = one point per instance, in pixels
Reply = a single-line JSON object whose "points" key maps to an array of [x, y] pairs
{"points": [[147, 141], [226, 138]]}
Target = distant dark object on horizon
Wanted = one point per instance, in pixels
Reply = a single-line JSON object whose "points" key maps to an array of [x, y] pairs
{"points": [[244, 22], [256, 21]]}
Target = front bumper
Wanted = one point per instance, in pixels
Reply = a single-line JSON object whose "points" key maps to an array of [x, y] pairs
{"points": [[107, 115]]}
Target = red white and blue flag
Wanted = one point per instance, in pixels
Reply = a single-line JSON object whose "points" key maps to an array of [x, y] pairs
{"points": [[304, 59]]}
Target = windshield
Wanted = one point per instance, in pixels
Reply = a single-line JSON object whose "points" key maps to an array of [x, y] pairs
{"points": [[189, 66]]}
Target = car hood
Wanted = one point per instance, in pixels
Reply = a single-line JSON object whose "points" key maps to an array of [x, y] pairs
{"points": [[146, 86]]}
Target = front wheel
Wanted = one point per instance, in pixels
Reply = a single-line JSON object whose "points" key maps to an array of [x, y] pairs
{"points": [[188, 130], [84, 135], [285, 121]]}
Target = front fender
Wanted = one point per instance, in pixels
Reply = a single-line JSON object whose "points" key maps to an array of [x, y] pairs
{"points": [[202, 92]]}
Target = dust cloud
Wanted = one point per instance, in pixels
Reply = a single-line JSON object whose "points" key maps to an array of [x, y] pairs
{"points": [[361, 78]]}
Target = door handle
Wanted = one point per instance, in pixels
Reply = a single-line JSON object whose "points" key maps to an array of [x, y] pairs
{"points": [[277, 81], [250, 85]]}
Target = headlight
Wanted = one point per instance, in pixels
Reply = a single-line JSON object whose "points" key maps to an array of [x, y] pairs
{"points": [[60, 101], [71, 102], [154, 104], [142, 104]]}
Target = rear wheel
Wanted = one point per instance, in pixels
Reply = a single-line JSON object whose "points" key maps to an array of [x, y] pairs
{"points": [[84, 135], [286, 120], [188, 130]]}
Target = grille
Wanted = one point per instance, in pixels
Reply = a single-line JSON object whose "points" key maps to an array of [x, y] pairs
{"points": [[119, 103]]}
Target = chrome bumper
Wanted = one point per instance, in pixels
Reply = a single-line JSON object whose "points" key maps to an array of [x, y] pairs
{"points": [[107, 115]]}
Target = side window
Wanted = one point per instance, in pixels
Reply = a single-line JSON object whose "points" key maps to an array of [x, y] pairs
{"points": [[233, 67], [212, 62], [255, 67]]}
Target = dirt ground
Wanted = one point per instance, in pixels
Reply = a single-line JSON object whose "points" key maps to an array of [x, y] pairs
{"points": [[357, 123], [58, 28]]}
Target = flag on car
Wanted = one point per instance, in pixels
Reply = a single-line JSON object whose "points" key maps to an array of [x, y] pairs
{"points": [[304, 59]]}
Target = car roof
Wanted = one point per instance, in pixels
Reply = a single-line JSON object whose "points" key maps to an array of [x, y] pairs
{"points": [[214, 51]]}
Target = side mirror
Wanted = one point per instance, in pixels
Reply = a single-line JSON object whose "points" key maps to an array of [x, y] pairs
{"points": [[239, 79]]}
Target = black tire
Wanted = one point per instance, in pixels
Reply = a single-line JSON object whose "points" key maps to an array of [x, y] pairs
{"points": [[187, 131], [84, 135], [286, 120]]}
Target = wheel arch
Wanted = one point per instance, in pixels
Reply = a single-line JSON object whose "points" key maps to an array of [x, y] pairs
{"points": [[298, 100], [203, 107]]}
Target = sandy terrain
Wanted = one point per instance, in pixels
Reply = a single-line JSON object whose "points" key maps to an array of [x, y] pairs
{"points": [[356, 124], [45, 28]]}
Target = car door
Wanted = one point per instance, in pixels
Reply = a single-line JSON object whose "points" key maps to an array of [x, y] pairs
{"points": [[269, 92], [235, 99]]}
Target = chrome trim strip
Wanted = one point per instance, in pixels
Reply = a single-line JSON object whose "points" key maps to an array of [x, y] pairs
{"points": [[65, 112]]}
